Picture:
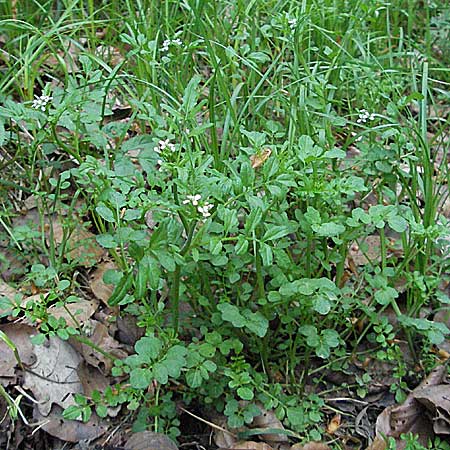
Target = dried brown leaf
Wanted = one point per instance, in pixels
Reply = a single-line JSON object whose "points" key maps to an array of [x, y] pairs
{"points": [[76, 313], [251, 445], [7, 291], [53, 377], [99, 288], [101, 338], [146, 440], [311, 446], [267, 420], [258, 159], [334, 424], [19, 334], [410, 416], [81, 245], [69, 430]]}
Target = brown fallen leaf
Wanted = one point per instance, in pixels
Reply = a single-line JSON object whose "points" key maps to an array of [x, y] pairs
{"points": [[7, 291], [69, 430], [436, 400], [75, 314], [146, 440], [268, 420], [334, 424], [101, 338], [53, 377], [251, 445], [409, 417], [258, 159], [99, 288], [19, 334], [81, 246], [311, 446]]}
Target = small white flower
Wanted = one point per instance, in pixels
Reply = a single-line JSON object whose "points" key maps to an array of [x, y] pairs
{"points": [[194, 199], [168, 42], [41, 102], [163, 145], [364, 115], [204, 210]]}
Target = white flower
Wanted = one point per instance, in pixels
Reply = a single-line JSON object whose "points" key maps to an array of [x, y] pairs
{"points": [[364, 115], [194, 199], [168, 42], [204, 210], [41, 102], [162, 145]]}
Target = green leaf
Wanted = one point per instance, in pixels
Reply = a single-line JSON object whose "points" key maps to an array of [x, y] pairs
{"points": [[253, 220], [231, 313], [241, 246], [331, 337], [397, 223], [245, 393], [191, 94], [194, 378], [101, 410], [161, 373], [321, 305], [266, 255], [37, 339], [328, 229], [72, 412], [141, 378], [386, 295], [105, 213], [256, 322], [275, 232], [295, 416], [148, 348]]}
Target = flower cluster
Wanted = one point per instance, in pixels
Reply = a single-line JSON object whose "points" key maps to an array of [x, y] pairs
{"points": [[364, 115], [162, 145], [41, 102], [203, 209], [168, 42], [194, 199]]}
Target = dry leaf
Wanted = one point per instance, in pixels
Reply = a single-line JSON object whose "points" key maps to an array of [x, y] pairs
{"points": [[81, 311], [146, 440], [373, 251], [436, 400], [222, 439], [69, 430], [19, 334], [311, 446], [93, 380], [258, 159], [251, 445], [7, 291], [268, 420], [81, 245], [410, 416], [53, 377], [99, 288], [101, 338], [334, 424]]}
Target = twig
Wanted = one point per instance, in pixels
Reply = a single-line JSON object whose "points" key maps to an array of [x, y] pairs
{"points": [[213, 425]]}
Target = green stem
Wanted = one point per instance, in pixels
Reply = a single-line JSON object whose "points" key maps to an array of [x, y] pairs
{"points": [[84, 340], [175, 294]]}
